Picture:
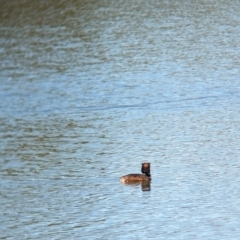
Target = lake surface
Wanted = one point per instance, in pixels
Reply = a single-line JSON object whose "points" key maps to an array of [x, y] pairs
{"points": [[91, 89]]}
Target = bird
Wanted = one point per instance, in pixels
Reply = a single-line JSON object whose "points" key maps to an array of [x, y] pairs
{"points": [[137, 177]]}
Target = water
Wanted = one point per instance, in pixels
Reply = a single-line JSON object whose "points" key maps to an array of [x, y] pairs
{"points": [[90, 90]]}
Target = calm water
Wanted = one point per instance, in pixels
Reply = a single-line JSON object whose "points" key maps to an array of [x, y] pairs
{"points": [[91, 89]]}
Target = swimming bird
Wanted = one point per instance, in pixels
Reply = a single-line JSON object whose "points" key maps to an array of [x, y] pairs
{"points": [[136, 177]]}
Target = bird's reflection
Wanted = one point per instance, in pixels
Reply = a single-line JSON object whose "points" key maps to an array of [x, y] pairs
{"points": [[145, 185]]}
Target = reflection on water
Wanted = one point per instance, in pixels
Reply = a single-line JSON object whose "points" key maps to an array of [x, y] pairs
{"points": [[88, 87], [145, 185]]}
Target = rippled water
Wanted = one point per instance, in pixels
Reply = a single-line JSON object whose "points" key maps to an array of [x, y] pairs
{"points": [[91, 89]]}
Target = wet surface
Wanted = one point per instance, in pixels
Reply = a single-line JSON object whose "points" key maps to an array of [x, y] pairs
{"points": [[90, 90]]}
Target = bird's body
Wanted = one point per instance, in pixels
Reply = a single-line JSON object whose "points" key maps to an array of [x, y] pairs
{"points": [[136, 177]]}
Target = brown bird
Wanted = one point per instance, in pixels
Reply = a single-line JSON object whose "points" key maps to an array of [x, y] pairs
{"points": [[136, 177]]}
